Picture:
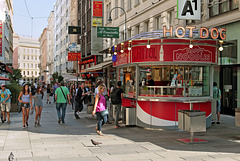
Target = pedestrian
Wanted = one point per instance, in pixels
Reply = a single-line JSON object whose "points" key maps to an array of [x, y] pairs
{"points": [[48, 94], [79, 100], [116, 99], [25, 98], [99, 106], [38, 105], [62, 97], [217, 96], [72, 95], [5, 103], [54, 89], [33, 89]]}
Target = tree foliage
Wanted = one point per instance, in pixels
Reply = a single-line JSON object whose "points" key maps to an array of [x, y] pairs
{"points": [[15, 76]]}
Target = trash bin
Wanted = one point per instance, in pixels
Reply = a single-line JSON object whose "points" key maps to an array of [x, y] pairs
{"points": [[181, 123], [237, 117], [89, 108], [130, 116], [195, 121]]}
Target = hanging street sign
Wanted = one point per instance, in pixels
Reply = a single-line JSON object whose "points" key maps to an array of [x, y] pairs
{"points": [[189, 9], [74, 56], [74, 47], [74, 30], [108, 32]]}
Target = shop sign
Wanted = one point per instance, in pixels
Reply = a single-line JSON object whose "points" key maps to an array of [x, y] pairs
{"points": [[204, 33], [108, 32], [196, 54], [96, 21], [97, 9], [189, 9], [74, 56]]}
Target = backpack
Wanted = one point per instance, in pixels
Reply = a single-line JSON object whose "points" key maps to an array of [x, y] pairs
{"points": [[115, 97]]}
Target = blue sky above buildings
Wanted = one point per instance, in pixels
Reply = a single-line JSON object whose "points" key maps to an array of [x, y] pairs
{"points": [[38, 9]]}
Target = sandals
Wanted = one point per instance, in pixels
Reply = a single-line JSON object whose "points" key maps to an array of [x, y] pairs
{"points": [[100, 133], [27, 124], [35, 125], [118, 126], [38, 124]]}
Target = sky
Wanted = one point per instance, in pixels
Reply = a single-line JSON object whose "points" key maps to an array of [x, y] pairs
{"points": [[38, 9]]}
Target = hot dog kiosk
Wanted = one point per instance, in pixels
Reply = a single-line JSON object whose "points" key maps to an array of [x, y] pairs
{"points": [[181, 72]]}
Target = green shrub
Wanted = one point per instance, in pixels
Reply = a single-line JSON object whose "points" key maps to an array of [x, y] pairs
{"points": [[15, 90]]}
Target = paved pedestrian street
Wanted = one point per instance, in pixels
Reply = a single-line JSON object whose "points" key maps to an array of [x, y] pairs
{"points": [[71, 141]]}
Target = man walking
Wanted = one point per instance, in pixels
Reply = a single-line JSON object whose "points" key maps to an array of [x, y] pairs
{"points": [[217, 96], [79, 99], [116, 99], [62, 96], [5, 103]]}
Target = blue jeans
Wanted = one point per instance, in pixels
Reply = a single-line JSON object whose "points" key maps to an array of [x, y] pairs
{"points": [[101, 120], [63, 107]]}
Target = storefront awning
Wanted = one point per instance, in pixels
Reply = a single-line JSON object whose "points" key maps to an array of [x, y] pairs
{"points": [[98, 67], [4, 79]]}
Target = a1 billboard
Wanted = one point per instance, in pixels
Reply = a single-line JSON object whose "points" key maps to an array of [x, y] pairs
{"points": [[189, 9]]}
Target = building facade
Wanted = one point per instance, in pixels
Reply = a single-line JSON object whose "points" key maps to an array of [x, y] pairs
{"points": [[43, 55], [65, 14], [50, 47], [28, 50], [147, 16], [6, 32]]}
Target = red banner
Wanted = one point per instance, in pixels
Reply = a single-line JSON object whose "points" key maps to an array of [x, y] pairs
{"points": [[97, 9], [168, 50], [73, 57]]}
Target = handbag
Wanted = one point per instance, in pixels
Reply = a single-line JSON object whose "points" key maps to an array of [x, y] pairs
{"points": [[104, 113]]}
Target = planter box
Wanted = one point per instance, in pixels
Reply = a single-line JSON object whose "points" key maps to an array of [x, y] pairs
{"points": [[195, 121], [14, 107]]}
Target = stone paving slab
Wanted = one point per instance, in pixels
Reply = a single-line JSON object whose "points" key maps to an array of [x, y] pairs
{"points": [[71, 141]]}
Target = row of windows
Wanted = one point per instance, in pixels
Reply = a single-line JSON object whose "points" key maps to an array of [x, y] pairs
{"points": [[36, 51], [30, 65], [29, 73], [221, 6], [27, 57]]}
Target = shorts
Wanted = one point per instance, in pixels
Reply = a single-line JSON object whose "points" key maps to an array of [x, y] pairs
{"points": [[6, 107], [48, 94], [25, 105], [218, 106]]}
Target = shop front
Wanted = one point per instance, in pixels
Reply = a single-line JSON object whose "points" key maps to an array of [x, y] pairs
{"points": [[162, 76]]}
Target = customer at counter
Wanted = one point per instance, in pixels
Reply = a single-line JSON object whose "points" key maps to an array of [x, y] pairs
{"points": [[150, 81]]}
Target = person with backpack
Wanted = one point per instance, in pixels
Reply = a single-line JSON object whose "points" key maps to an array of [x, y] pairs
{"points": [[116, 99], [217, 96], [5, 103], [62, 97]]}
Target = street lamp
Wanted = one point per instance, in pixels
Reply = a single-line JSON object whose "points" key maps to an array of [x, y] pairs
{"points": [[110, 19]]}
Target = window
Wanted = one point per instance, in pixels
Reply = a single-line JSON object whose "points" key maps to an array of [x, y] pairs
{"points": [[222, 6], [116, 10], [171, 18], [158, 23], [129, 33], [35, 65], [23, 65], [24, 73], [129, 5], [23, 56], [32, 73], [27, 72], [35, 58], [137, 2], [146, 26], [35, 72], [186, 81], [137, 29], [122, 5], [28, 57]]}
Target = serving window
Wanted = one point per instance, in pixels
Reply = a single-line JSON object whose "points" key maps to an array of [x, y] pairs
{"points": [[179, 81], [127, 76]]}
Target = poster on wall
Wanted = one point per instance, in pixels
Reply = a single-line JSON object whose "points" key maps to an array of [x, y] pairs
{"points": [[96, 21], [97, 9]]}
